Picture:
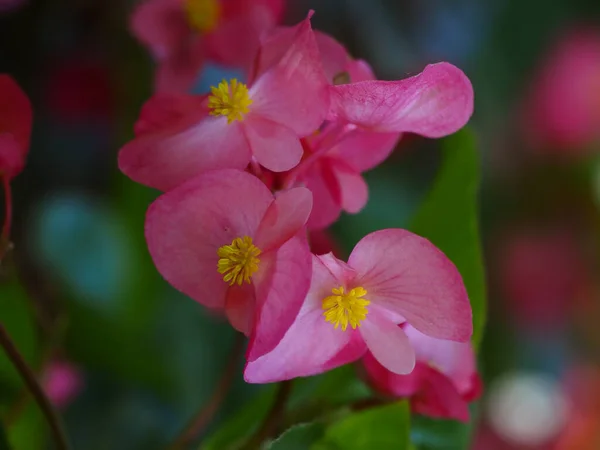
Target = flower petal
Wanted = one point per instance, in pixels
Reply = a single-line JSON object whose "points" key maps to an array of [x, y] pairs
{"points": [[353, 188], [364, 150], [186, 226], [284, 218], [309, 344], [11, 157], [240, 304], [169, 157], [327, 198], [408, 275], [16, 116], [435, 103], [281, 287], [161, 25], [162, 111], [274, 146], [387, 342], [294, 92]]}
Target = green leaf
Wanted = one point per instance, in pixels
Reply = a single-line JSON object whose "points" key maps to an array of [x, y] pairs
{"points": [[29, 430], [376, 428], [242, 425], [449, 219], [3, 439], [437, 434], [17, 319], [299, 437]]}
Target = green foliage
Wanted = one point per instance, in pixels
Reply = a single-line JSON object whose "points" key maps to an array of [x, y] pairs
{"points": [[299, 437], [29, 431], [3, 439], [449, 219], [432, 434], [384, 427], [16, 317], [243, 424]]}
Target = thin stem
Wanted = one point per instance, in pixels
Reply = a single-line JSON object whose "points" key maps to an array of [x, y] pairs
{"points": [[5, 236], [37, 392], [271, 423], [206, 414]]}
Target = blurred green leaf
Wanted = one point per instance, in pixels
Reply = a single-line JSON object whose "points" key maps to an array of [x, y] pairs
{"points": [[376, 428], [449, 219], [3, 439], [29, 431], [299, 437], [436, 434], [18, 321], [243, 424]]}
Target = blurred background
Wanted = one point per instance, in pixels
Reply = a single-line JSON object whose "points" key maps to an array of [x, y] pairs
{"points": [[128, 359]]}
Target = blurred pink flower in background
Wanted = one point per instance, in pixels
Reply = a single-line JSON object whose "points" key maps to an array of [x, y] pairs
{"points": [[541, 274], [562, 113], [181, 34], [444, 380], [62, 381], [8, 5]]}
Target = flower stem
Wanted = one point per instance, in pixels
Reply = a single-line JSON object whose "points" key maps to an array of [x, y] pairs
{"points": [[205, 415], [37, 392], [271, 423]]}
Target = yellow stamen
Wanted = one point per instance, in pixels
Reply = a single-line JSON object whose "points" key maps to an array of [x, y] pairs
{"points": [[203, 15], [230, 99], [343, 309], [238, 261]]}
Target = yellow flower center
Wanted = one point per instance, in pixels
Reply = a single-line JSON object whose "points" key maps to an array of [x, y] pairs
{"points": [[229, 99], [343, 309], [238, 261], [203, 15]]}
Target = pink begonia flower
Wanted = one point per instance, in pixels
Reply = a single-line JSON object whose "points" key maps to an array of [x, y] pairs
{"points": [[435, 103], [181, 34], [16, 119], [541, 274], [235, 123], [62, 382], [443, 382], [224, 240], [563, 112], [392, 276]]}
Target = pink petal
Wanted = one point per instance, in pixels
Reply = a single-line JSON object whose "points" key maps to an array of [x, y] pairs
{"points": [[169, 157], [11, 156], [439, 398], [186, 226], [338, 268], [62, 382], [353, 187], [235, 41], [310, 342], [161, 25], [408, 275], [284, 218], [179, 72], [164, 110], [360, 70], [456, 360], [240, 304], [274, 146], [16, 116], [387, 342], [389, 383], [294, 92], [435, 103], [334, 56], [280, 291], [364, 150], [322, 182]]}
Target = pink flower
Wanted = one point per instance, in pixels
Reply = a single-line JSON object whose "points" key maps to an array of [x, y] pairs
{"points": [[62, 382], [392, 277], [235, 123], [223, 239], [541, 274], [367, 120], [181, 34], [443, 382], [563, 111], [16, 120]]}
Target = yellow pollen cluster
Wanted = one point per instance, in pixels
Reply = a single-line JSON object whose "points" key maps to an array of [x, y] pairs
{"points": [[346, 308], [203, 15], [238, 261], [230, 99]]}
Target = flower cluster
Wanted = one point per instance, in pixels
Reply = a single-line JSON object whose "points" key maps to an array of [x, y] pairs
{"points": [[251, 167]]}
